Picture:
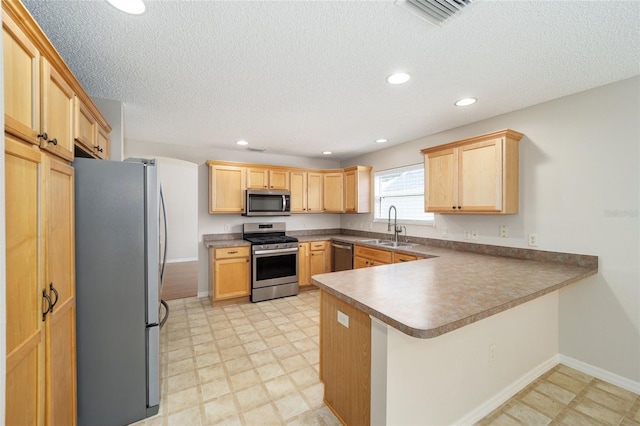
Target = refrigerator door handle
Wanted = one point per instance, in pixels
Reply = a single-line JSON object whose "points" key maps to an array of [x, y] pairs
{"points": [[166, 237]]}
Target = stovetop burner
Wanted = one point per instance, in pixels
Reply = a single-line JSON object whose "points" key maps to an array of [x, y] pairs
{"points": [[271, 239], [266, 233]]}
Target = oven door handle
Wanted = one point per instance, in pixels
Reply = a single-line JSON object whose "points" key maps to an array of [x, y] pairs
{"points": [[276, 251]]}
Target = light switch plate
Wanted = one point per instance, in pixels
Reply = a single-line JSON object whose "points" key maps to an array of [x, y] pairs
{"points": [[343, 319]]}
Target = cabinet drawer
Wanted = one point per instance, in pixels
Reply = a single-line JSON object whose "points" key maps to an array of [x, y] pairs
{"points": [[373, 254], [400, 257], [318, 245], [231, 252]]}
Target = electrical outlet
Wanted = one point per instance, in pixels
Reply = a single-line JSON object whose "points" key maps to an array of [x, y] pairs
{"points": [[343, 319], [533, 240], [227, 227], [474, 235], [492, 353], [445, 233], [467, 234], [504, 231]]}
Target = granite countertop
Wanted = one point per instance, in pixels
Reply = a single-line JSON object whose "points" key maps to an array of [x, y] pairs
{"points": [[225, 243], [430, 297]]}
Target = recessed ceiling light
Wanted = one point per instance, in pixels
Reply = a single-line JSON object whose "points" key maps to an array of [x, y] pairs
{"points": [[327, 153], [466, 102], [134, 7], [242, 142], [398, 78], [381, 140]]}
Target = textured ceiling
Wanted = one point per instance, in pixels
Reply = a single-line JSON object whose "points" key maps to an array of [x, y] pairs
{"points": [[301, 77]]}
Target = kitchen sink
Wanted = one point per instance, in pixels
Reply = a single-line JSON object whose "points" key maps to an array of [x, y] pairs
{"points": [[386, 243], [394, 244]]}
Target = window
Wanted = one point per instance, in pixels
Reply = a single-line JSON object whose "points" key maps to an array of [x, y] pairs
{"points": [[402, 187]]}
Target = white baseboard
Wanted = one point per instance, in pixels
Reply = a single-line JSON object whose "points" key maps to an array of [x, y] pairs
{"points": [[203, 294], [184, 259], [601, 374], [503, 396]]}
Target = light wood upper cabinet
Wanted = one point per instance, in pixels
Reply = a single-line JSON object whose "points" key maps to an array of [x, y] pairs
{"points": [[477, 175], [226, 188], [358, 184], [314, 192], [21, 82], [40, 90], [57, 113], [333, 188], [298, 182], [90, 136], [264, 178]]}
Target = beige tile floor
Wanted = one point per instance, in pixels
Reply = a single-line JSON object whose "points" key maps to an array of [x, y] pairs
{"points": [[257, 364], [564, 396], [250, 364]]}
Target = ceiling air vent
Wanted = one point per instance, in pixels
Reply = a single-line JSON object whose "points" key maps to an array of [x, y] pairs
{"points": [[433, 11]]}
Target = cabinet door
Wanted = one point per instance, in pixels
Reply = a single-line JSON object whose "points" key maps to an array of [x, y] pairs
{"points": [[350, 191], [480, 176], [400, 258], [333, 192], [317, 262], [279, 179], [25, 340], [85, 131], [57, 113], [298, 182], [226, 189], [231, 278], [303, 264], [102, 144], [360, 262], [21, 82], [60, 279], [442, 181], [314, 192], [257, 178]]}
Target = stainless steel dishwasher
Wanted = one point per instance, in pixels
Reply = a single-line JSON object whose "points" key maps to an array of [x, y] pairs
{"points": [[341, 256]]}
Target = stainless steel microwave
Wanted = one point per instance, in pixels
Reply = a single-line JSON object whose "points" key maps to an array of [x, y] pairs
{"points": [[266, 202]]}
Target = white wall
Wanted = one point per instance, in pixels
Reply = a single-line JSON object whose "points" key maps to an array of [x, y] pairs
{"points": [[215, 224], [113, 112], [580, 192], [180, 188]]}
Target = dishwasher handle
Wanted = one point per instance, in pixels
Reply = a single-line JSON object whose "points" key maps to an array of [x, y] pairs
{"points": [[341, 246]]}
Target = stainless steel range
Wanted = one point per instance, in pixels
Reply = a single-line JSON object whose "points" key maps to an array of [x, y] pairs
{"points": [[274, 261]]}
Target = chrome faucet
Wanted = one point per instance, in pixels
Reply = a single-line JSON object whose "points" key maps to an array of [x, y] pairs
{"points": [[396, 229]]}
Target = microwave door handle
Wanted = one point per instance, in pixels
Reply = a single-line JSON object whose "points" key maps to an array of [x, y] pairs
{"points": [[284, 203]]}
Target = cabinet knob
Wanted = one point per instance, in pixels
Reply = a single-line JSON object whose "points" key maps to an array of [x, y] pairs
{"points": [[43, 136], [54, 141], [454, 207]]}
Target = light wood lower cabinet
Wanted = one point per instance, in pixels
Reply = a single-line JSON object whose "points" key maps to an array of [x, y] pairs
{"points": [[365, 257], [401, 257], [41, 366], [25, 368], [345, 360], [313, 258], [60, 278], [231, 272]]}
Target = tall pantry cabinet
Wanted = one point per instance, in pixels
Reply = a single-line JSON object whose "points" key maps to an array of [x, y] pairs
{"points": [[40, 141]]}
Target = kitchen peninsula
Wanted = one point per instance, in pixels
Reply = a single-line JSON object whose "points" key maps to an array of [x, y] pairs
{"points": [[442, 340]]}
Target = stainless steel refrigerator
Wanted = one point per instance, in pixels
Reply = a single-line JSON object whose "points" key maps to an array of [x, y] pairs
{"points": [[120, 248]]}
